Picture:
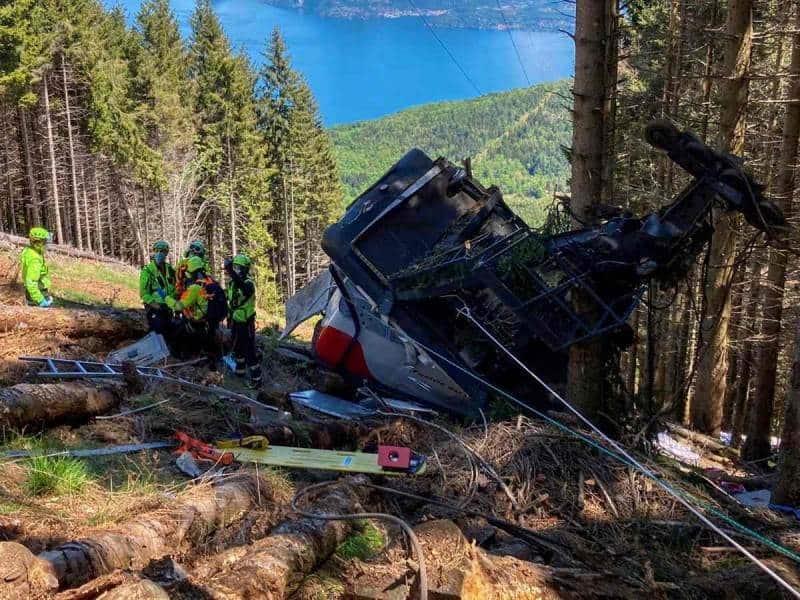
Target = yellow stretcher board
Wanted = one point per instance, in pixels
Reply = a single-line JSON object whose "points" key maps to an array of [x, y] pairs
{"points": [[311, 458]]}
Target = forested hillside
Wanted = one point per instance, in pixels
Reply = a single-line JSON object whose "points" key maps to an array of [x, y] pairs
{"points": [[516, 141], [114, 137], [470, 14]]}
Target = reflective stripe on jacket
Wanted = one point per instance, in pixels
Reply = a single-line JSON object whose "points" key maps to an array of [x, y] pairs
{"points": [[35, 274]]}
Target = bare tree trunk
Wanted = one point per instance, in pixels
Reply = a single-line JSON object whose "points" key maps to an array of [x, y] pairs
{"points": [[586, 372], [75, 200], [757, 445], [86, 209], [787, 491], [97, 216], [10, 191], [33, 210], [706, 409], [53, 172]]}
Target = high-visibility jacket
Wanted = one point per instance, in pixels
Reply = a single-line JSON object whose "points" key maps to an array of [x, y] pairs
{"points": [[35, 274], [156, 285], [193, 302], [241, 300], [180, 285]]}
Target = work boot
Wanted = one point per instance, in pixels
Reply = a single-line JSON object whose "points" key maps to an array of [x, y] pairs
{"points": [[241, 368], [255, 377]]}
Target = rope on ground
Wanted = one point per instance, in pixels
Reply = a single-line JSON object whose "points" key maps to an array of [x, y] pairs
{"points": [[422, 573], [620, 454]]}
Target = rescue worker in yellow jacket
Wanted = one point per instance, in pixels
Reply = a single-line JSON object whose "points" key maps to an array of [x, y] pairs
{"points": [[199, 308], [156, 284], [241, 294], [35, 274]]}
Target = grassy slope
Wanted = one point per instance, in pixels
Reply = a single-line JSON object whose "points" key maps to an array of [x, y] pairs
{"points": [[75, 281], [514, 138]]}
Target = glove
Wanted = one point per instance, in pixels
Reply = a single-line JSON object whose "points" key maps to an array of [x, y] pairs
{"points": [[172, 303], [45, 302], [162, 294]]}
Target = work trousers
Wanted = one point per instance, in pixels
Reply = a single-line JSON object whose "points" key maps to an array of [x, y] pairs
{"points": [[244, 349], [198, 337], [159, 320]]}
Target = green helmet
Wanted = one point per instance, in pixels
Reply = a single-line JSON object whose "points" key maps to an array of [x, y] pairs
{"points": [[160, 246], [197, 248], [193, 264], [242, 260], [39, 234]]}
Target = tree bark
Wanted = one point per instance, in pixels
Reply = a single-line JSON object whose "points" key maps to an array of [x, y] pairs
{"points": [[110, 324], [34, 213], [587, 360], [27, 405], [757, 445], [75, 195], [275, 566], [706, 408], [787, 491], [53, 171], [133, 544]]}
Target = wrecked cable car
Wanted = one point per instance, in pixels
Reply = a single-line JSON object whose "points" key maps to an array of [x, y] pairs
{"points": [[433, 278]]}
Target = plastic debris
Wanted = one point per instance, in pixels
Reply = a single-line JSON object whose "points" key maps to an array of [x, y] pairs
{"points": [[147, 351], [682, 452]]}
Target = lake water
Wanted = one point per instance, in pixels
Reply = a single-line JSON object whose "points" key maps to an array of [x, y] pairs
{"points": [[365, 69]]}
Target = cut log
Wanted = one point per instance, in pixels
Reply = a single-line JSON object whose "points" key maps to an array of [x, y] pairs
{"points": [[110, 324], [23, 575], [28, 404], [139, 590], [133, 544], [274, 567]]}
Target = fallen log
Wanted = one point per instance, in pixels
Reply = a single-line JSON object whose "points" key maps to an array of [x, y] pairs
{"points": [[22, 574], [275, 566], [8, 240], [138, 590], [133, 544], [108, 323], [27, 404]]}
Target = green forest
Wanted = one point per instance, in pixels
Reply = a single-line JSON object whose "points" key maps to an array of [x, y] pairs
{"points": [[516, 141]]}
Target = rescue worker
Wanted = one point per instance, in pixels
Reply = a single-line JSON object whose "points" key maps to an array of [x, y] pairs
{"points": [[156, 284], [241, 294], [197, 329], [196, 248], [35, 274]]}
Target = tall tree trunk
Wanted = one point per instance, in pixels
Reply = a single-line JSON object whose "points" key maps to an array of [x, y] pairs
{"points": [[706, 409], [33, 210], [71, 146], [86, 209], [98, 221], [587, 360], [53, 171], [787, 492], [7, 167], [757, 445]]}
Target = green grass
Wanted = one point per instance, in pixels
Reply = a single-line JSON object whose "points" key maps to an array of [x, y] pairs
{"points": [[58, 475], [364, 544], [78, 270]]}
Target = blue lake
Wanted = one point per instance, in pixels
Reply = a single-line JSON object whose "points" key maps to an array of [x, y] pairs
{"points": [[365, 69]]}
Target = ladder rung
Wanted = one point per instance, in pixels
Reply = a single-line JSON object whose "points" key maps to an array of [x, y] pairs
{"points": [[52, 365], [81, 368]]}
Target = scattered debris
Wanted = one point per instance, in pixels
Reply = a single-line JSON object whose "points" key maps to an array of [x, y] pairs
{"points": [[149, 350], [88, 452]]}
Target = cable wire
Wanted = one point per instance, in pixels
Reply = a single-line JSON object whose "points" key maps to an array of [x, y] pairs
{"points": [[422, 572], [513, 43], [623, 456], [445, 48]]}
